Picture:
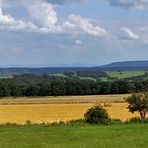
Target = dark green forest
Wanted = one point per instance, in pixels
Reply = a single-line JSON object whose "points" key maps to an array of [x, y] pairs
{"points": [[45, 85]]}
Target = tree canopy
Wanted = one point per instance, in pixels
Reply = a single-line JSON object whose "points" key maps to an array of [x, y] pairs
{"points": [[138, 102]]}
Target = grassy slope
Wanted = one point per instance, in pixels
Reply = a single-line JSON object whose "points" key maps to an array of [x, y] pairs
{"points": [[125, 74], [68, 136], [58, 75]]}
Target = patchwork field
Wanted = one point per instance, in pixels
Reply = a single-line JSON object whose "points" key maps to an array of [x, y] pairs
{"points": [[59, 108], [113, 74]]}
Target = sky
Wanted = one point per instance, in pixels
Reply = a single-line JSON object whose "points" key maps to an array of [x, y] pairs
{"points": [[72, 32]]}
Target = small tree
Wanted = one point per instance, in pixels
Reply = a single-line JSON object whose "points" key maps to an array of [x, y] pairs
{"points": [[97, 114], [138, 103]]}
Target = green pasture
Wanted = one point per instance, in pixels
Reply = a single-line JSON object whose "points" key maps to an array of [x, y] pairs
{"points": [[125, 74], [75, 136]]}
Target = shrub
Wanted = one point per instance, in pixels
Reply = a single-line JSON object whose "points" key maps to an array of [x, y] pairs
{"points": [[116, 121], [98, 115], [28, 122], [135, 120]]}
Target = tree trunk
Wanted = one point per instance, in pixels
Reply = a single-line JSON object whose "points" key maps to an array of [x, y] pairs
{"points": [[143, 114]]}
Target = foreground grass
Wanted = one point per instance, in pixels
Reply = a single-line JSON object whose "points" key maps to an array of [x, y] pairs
{"points": [[74, 136]]}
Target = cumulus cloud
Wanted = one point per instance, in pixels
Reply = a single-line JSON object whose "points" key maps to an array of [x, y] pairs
{"points": [[139, 4], [44, 19], [7, 22], [129, 34], [87, 26], [44, 15], [78, 42], [69, 25]]}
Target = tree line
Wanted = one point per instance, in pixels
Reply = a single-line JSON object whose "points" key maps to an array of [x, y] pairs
{"points": [[45, 85]]}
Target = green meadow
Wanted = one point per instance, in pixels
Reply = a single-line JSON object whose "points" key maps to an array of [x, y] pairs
{"points": [[74, 136], [125, 74]]}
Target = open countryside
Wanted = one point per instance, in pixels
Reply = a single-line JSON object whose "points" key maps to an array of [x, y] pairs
{"points": [[73, 74]]}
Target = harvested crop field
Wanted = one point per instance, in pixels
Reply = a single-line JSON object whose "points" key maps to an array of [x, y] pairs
{"points": [[63, 99], [53, 109], [38, 113]]}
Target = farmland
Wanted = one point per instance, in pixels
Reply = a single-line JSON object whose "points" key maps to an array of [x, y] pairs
{"points": [[112, 74], [38, 113], [125, 74], [53, 109], [76, 136]]}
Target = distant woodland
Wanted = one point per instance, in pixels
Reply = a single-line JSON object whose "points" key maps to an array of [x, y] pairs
{"points": [[45, 85]]}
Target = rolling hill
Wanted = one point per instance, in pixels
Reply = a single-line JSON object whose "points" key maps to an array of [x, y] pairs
{"points": [[116, 66]]}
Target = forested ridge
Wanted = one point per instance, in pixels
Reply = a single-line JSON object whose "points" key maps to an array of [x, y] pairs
{"points": [[45, 85]]}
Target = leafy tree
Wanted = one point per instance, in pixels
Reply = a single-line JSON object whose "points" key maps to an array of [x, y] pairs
{"points": [[32, 90], [138, 102], [58, 88], [4, 89], [98, 115]]}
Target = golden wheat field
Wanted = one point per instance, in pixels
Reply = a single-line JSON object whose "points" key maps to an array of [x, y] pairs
{"points": [[38, 113], [57, 111]]}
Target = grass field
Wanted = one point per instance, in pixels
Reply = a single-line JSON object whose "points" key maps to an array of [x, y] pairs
{"points": [[76, 136], [87, 78], [125, 74]]}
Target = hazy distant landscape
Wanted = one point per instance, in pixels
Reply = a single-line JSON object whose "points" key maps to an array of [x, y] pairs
{"points": [[131, 66]]}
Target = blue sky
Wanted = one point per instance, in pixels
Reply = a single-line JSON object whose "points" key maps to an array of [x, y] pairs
{"points": [[72, 32]]}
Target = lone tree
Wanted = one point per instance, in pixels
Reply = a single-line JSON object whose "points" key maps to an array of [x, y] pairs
{"points": [[138, 103]]}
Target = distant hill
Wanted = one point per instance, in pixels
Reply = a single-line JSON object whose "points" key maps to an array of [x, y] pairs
{"points": [[128, 64], [116, 66]]}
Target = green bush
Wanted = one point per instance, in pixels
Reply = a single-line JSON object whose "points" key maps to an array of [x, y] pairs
{"points": [[135, 120], [98, 115], [74, 122]]}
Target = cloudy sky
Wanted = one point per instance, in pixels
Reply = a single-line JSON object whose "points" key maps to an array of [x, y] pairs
{"points": [[69, 32]]}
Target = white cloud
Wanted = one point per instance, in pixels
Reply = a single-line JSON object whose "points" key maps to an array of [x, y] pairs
{"points": [[129, 34], [44, 15], [44, 19], [69, 25], [87, 27], [78, 42], [7, 22]]}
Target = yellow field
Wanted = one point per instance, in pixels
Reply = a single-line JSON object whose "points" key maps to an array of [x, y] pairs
{"points": [[38, 113], [51, 109]]}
